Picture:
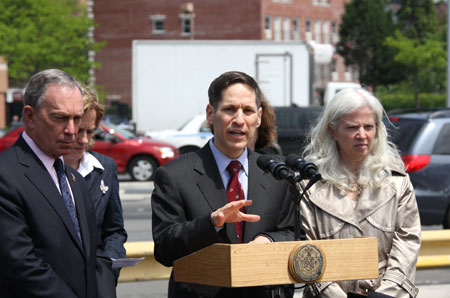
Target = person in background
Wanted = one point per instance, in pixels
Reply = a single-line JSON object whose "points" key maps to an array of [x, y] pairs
{"points": [[364, 192], [100, 173], [266, 134], [218, 194], [47, 220], [15, 123]]}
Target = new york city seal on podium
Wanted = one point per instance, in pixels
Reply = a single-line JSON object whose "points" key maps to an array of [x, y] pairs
{"points": [[307, 263]]}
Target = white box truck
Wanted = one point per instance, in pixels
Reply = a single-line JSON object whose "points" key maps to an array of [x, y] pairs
{"points": [[171, 77]]}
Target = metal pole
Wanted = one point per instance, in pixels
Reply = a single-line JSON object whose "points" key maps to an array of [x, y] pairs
{"points": [[448, 53]]}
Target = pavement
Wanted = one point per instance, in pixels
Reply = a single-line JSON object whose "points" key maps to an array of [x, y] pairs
{"points": [[158, 289]]}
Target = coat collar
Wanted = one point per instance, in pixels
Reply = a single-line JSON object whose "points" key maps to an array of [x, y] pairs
{"points": [[38, 175], [331, 200]]}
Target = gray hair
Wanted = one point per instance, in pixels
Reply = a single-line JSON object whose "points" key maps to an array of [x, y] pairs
{"points": [[39, 82], [322, 149]]}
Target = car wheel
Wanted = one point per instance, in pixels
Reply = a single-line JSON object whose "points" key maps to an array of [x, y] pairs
{"points": [[142, 168], [187, 149], [446, 222]]}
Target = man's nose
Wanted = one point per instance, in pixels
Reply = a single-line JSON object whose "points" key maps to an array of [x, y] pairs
{"points": [[239, 117], [71, 128]]}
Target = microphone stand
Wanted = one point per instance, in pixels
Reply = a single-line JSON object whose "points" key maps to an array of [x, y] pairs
{"points": [[293, 181]]}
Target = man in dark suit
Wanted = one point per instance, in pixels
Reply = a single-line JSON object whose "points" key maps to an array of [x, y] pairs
{"points": [[47, 221], [197, 200]]}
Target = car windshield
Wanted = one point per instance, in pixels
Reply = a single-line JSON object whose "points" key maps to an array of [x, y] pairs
{"points": [[403, 131], [123, 132], [185, 123]]}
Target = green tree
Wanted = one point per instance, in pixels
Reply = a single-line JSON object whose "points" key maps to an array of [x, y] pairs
{"points": [[419, 45], [363, 30], [41, 34]]}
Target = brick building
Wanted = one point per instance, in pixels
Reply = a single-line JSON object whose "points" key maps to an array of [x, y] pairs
{"points": [[119, 22]]}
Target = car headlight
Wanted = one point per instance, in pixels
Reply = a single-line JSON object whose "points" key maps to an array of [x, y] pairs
{"points": [[166, 152]]}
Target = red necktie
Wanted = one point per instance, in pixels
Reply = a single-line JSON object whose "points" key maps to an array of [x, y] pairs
{"points": [[235, 192]]}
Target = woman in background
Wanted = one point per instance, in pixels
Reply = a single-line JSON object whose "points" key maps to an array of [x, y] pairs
{"points": [[100, 173], [364, 192], [266, 135]]}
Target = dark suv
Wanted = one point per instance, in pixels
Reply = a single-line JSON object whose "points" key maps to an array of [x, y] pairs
{"points": [[423, 137], [294, 124]]}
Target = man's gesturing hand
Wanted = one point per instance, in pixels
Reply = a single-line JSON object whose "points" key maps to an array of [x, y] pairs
{"points": [[230, 213]]}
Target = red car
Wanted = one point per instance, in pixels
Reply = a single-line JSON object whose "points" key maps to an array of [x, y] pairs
{"points": [[138, 156]]}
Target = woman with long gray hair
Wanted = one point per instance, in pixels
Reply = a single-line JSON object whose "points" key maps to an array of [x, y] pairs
{"points": [[364, 192]]}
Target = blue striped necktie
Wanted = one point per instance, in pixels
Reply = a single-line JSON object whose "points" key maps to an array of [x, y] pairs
{"points": [[66, 195]]}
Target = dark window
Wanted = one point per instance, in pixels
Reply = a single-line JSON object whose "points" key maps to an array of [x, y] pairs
{"points": [[442, 145], [159, 25], [187, 25], [402, 132]]}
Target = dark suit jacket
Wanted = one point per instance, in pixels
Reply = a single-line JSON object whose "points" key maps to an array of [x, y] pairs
{"points": [[188, 189], [40, 253], [108, 208]]}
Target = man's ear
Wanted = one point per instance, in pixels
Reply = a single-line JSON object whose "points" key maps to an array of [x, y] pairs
{"points": [[29, 115], [259, 116], [210, 114]]}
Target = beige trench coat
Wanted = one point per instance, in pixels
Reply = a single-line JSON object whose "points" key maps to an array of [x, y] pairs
{"points": [[388, 213]]}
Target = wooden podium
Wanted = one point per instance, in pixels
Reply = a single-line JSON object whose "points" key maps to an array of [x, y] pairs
{"points": [[243, 265]]}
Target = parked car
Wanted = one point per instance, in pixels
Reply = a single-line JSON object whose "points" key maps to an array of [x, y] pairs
{"points": [[138, 156], [423, 138], [119, 121], [293, 126], [191, 136]]}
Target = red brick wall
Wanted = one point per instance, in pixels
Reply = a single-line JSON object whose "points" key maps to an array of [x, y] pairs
{"points": [[119, 22]]}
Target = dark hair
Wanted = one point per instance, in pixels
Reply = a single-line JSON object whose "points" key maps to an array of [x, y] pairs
{"points": [[227, 79], [39, 82], [267, 131]]}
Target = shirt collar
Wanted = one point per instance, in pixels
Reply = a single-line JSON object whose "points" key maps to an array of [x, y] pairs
{"points": [[222, 160], [87, 164], [45, 159]]}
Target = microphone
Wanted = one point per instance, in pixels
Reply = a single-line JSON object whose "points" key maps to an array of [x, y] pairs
{"points": [[306, 169], [268, 163]]}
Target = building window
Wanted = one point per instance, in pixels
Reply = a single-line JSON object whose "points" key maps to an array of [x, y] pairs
{"points": [[268, 27], [326, 32], [348, 72], [157, 23], [334, 70], [296, 28], [321, 2], [317, 31], [308, 32], [277, 28], [287, 28], [187, 20], [334, 32]]}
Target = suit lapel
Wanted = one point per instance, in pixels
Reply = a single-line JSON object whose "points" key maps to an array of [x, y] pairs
{"points": [[211, 186], [258, 186], [38, 175]]}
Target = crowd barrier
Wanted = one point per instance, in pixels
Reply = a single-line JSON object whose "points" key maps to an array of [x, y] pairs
{"points": [[434, 253]]}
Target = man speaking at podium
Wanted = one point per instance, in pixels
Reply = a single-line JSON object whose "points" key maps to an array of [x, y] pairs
{"points": [[218, 194]]}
